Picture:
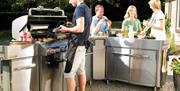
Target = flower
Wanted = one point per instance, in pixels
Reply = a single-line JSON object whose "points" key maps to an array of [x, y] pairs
{"points": [[175, 65]]}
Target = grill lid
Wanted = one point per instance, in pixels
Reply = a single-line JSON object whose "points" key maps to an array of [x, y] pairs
{"points": [[42, 21]]}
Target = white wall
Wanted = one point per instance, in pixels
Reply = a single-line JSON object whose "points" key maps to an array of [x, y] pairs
{"points": [[171, 11]]}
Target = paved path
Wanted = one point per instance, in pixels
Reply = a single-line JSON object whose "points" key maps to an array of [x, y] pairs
{"points": [[121, 86]]}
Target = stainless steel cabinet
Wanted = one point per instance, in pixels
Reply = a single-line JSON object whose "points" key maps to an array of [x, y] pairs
{"points": [[51, 75], [132, 65], [136, 61], [21, 73], [142, 67], [51, 69], [88, 65], [98, 69], [19, 68], [117, 64]]}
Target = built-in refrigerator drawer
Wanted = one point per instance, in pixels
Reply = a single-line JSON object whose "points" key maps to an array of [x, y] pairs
{"points": [[117, 64]]}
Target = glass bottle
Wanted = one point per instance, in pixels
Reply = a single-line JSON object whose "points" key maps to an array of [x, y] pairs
{"points": [[131, 32], [125, 31]]}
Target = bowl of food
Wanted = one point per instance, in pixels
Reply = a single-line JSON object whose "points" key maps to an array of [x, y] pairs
{"points": [[149, 37]]}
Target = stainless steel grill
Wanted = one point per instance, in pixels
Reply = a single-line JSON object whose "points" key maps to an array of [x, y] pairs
{"points": [[37, 66], [50, 46], [41, 23]]}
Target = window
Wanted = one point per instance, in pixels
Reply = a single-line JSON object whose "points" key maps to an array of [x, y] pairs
{"points": [[178, 16]]}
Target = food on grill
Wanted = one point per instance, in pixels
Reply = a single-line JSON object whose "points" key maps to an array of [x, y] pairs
{"points": [[44, 39], [61, 36], [40, 39], [49, 39], [18, 43]]}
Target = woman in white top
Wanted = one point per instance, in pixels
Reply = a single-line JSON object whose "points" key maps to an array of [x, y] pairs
{"points": [[157, 21]]}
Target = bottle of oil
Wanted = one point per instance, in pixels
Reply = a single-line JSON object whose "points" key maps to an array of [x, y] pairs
{"points": [[125, 31]]}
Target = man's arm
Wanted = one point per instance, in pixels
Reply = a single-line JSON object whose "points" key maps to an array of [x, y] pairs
{"points": [[96, 28], [79, 28]]}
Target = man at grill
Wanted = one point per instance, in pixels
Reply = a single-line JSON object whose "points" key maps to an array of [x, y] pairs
{"points": [[79, 34]]}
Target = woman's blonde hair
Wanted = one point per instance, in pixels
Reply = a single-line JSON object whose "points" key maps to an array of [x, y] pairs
{"points": [[156, 4], [129, 9]]}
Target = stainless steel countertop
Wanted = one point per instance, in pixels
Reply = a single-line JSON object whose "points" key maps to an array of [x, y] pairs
{"points": [[150, 44]]}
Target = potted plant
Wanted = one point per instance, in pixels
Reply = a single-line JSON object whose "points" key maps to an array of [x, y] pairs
{"points": [[175, 65], [174, 49], [167, 26]]}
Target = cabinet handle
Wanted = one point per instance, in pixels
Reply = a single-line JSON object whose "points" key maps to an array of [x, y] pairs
{"points": [[1, 58], [25, 67], [140, 56], [89, 53], [131, 55]]}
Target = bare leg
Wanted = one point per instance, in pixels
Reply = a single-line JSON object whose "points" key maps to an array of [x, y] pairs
{"points": [[70, 84], [82, 81]]}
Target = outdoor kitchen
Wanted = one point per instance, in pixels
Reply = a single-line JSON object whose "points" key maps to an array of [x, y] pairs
{"points": [[36, 67], [35, 58]]}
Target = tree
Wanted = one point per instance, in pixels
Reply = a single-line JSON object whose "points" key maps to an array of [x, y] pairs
{"points": [[5, 5]]}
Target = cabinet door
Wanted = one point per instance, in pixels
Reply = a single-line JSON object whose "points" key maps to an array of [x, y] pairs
{"points": [[118, 64], [88, 64], [99, 60], [22, 71], [1, 49], [143, 67]]}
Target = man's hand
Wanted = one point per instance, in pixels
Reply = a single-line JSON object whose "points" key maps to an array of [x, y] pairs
{"points": [[141, 35], [102, 20], [63, 28], [69, 24], [146, 23]]}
